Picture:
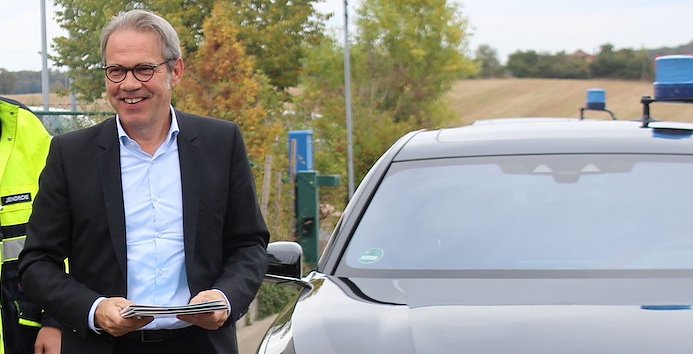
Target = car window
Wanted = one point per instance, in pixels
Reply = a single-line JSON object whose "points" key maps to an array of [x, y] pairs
{"points": [[554, 212]]}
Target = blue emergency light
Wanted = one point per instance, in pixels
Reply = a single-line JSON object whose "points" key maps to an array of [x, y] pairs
{"points": [[596, 99], [673, 83], [674, 77]]}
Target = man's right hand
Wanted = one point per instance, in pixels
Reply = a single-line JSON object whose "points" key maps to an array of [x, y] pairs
{"points": [[108, 318]]}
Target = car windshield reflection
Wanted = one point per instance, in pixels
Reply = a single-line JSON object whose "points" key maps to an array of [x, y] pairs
{"points": [[539, 212]]}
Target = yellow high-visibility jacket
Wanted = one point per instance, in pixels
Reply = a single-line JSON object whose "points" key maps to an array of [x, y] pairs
{"points": [[24, 144]]}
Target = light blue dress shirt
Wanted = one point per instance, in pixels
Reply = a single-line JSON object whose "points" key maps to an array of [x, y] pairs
{"points": [[152, 197]]}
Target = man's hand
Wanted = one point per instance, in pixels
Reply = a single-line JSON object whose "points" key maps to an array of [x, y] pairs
{"points": [[108, 317], [209, 320], [48, 341]]}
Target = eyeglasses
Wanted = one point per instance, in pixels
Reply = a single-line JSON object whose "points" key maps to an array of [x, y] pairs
{"points": [[141, 72]]}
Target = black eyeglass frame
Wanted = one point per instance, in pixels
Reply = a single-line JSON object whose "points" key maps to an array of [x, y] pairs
{"points": [[134, 69]]}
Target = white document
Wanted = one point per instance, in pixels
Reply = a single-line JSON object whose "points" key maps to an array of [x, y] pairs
{"points": [[164, 311]]}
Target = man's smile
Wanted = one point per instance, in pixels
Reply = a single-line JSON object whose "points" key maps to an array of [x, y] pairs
{"points": [[133, 100]]}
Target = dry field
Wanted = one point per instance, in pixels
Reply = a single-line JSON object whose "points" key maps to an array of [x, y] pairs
{"points": [[508, 98], [57, 101]]}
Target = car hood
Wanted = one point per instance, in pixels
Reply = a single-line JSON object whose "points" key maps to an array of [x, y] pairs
{"points": [[362, 315]]}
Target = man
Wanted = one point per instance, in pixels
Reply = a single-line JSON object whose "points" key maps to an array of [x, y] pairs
{"points": [[152, 207], [23, 148]]}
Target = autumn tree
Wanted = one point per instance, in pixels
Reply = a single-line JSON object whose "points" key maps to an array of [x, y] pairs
{"points": [[221, 82]]}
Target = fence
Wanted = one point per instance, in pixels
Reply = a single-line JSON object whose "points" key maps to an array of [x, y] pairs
{"points": [[59, 122]]}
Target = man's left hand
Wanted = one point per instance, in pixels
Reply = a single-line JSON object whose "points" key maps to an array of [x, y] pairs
{"points": [[48, 341], [209, 320]]}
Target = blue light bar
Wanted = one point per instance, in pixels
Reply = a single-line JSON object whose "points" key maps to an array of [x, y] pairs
{"points": [[674, 77]]}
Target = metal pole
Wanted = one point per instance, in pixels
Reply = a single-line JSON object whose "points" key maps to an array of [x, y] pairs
{"points": [[73, 98], [347, 97], [44, 59]]}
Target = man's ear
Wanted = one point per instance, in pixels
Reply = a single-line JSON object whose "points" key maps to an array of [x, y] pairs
{"points": [[177, 72]]}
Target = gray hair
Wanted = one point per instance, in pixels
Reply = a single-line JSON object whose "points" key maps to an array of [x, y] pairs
{"points": [[144, 21]]}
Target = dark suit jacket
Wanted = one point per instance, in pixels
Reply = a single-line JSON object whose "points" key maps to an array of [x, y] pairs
{"points": [[78, 214]]}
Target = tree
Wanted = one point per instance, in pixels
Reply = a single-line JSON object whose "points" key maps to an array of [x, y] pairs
{"points": [[320, 107], [486, 59], [79, 52], [221, 82], [8, 81], [406, 55], [187, 17], [523, 64], [562, 66], [622, 64], [274, 32], [411, 52]]}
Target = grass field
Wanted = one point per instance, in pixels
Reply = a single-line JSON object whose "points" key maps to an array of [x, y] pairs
{"points": [[508, 98]]}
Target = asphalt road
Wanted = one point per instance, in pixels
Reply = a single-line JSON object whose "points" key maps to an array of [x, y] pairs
{"points": [[249, 336]]}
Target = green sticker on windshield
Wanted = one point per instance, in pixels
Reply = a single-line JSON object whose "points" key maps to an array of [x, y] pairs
{"points": [[371, 256]]}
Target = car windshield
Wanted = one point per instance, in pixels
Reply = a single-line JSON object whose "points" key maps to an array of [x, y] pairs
{"points": [[538, 212]]}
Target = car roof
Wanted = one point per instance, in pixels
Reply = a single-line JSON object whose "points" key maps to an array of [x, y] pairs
{"points": [[520, 136]]}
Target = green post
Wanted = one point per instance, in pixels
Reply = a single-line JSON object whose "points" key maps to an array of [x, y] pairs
{"points": [[307, 214], [308, 211], [307, 181]]}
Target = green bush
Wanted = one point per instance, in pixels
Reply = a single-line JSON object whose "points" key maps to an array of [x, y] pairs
{"points": [[272, 298]]}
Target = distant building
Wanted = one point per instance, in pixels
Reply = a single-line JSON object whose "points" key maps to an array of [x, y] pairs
{"points": [[582, 55]]}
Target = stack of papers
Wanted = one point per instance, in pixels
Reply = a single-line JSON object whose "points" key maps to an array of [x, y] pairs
{"points": [[164, 311]]}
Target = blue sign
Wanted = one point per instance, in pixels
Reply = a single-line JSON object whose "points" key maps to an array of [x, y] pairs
{"points": [[301, 150]]}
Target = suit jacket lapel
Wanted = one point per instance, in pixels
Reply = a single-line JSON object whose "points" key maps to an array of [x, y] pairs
{"points": [[189, 156], [111, 185]]}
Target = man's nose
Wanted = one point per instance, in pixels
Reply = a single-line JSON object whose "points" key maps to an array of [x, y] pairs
{"points": [[130, 82]]}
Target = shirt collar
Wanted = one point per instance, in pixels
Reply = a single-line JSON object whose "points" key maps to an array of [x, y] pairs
{"points": [[172, 131]]}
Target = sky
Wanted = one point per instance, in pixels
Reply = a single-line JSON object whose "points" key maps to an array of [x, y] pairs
{"points": [[547, 26]]}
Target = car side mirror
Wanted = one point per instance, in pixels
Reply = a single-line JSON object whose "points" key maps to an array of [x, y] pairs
{"points": [[285, 261]]}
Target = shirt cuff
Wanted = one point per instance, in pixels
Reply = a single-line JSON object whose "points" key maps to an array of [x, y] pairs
{"points": [[92, 311], [228, 303]]}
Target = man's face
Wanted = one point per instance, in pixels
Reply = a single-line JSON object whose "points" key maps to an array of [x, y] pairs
{"points": [[140, 104]]}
